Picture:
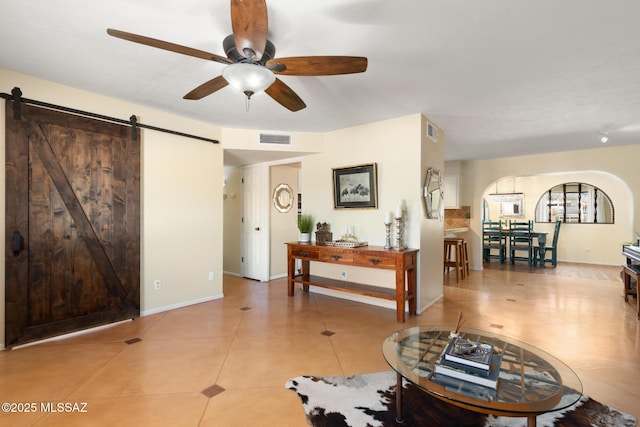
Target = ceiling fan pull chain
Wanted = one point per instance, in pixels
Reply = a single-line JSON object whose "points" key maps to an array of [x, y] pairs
{"points": [[248, 100]]}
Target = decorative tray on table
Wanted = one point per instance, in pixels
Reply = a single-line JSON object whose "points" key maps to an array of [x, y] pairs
{"points": [[346, 244]]}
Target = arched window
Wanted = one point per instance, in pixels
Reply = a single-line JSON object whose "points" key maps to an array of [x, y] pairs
{"points": [[575, 202]]}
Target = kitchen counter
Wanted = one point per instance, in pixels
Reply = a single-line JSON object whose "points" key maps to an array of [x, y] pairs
{"points": [[456, 230]]}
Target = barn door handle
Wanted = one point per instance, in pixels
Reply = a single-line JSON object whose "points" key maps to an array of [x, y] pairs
{"points": [[17, 243]]}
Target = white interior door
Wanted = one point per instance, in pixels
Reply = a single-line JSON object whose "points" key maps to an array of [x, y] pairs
{"points": [[255, 212]]}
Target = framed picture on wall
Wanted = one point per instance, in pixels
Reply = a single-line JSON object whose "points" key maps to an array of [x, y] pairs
{"points": [[355, 187]]}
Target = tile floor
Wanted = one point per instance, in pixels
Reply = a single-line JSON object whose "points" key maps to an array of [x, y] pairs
{"points": [[225, 363]]}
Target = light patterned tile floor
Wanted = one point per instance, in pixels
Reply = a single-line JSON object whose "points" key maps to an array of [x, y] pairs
{"points": [[248, 344]]}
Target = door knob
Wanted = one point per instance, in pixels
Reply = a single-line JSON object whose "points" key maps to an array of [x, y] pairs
{"points": [[257, 228]]}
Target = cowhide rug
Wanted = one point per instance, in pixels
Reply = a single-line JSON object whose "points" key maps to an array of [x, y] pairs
{"points": [[369, 401]]}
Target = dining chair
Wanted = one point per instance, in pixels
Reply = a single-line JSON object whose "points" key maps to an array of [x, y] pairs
{"points": [[494, 241], [520, 240], [551, 251]]}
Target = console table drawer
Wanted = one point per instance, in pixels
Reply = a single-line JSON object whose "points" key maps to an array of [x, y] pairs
{"points": [[305, 253], [337, 257], [375, 261]]}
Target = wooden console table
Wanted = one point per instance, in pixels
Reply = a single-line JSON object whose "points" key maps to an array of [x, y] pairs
{"points": [[403, 262]]}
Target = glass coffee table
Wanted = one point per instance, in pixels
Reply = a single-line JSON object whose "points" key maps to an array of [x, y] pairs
{"points": [[531, 382]]}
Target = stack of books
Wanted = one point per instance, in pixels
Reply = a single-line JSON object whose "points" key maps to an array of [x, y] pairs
{"points": [[480, 365]]}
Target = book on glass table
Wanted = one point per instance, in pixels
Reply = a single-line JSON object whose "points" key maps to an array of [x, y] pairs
{"points": [[465, 387], [472, 369], [469, 353], [466, 374]]}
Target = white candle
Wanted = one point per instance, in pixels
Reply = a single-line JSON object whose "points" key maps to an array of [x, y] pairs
{"points": [[389, 219], [399, 211]]}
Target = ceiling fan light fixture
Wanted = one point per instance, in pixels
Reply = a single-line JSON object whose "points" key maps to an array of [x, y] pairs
{"points": [[248, 78]]}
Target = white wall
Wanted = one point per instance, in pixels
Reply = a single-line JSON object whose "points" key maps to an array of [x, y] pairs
{"points": [[431, 230], [181, 190], [182, 217], [402, 153], [613, 169], [232, 202], [283, 225], [397, 146], [248, 139]]}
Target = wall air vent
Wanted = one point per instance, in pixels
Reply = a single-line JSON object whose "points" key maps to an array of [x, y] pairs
{"points": [[432, 132], [278, 139]]}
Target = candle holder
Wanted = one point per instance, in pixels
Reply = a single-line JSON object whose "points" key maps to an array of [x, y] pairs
{"points": [[387, 227], [399, 243]]}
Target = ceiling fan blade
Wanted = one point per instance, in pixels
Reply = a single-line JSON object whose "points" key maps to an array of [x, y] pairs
{"points": [[172, 47], [285, 96], [249, 22], [319, 65], [207, 88]]}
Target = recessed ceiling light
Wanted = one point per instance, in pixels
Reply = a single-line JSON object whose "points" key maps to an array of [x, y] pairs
{"points": [[603, 137]]}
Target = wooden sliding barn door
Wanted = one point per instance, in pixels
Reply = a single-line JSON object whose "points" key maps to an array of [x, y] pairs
{"points": [[72, 224]]}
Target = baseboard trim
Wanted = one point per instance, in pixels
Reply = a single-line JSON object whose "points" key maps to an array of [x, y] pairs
{"points": [[70, 334], [428, 305], [180, 305]]}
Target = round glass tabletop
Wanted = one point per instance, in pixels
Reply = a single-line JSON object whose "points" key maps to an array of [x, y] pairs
{"points": [[529, 380]]}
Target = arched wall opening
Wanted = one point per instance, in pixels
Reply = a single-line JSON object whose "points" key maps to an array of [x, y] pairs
{"points": [[582, 243]]}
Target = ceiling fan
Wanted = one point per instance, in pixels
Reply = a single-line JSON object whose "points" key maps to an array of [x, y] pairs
{"points": [[250, 63]]}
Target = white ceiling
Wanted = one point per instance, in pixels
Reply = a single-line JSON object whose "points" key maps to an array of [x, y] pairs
{"points": [[501, 77]]}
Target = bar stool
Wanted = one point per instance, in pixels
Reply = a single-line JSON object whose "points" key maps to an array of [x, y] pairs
{"points": [[465, 259], [453, 256]]}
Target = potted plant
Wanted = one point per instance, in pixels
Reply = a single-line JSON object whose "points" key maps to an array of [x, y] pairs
{"points": [[305, 225]]}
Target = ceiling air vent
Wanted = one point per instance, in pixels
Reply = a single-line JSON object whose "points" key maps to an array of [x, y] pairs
{"points": [[278, 139], [432, 132]]}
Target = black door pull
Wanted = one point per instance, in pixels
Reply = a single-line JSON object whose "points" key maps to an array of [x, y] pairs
{"points": [[17, 243]]}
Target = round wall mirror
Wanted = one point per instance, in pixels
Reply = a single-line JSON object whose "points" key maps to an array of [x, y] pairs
{"points": [[283, 198]]}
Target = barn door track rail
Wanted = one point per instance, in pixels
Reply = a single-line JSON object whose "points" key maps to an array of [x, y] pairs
{"points": [[16, 97]]}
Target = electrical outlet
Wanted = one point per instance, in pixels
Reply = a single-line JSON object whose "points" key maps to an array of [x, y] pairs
{"points": [[211, 275], [344, 275], [157, 284]]}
